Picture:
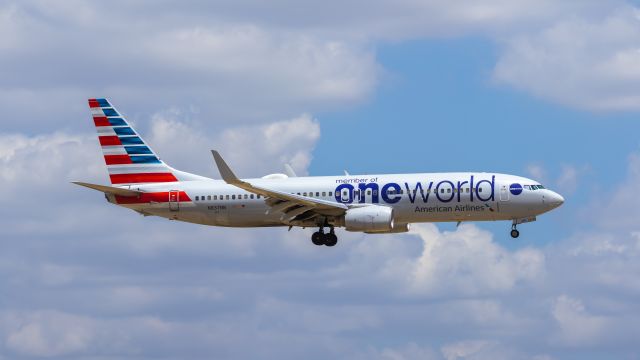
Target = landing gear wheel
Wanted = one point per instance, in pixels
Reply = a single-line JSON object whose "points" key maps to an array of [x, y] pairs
{"points": [[330, 239], [318, 238], [515, 233]]}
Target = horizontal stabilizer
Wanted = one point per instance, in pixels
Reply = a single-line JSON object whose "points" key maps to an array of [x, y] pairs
{"points": [[109, 189]]}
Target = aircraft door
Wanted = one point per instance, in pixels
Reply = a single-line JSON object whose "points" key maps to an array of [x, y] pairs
{"points": [[504, 193], [174, 200]]}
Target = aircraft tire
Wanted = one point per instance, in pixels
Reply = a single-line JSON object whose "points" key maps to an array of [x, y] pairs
{"points": [[515, 233], [330, 239], [318, 238]]}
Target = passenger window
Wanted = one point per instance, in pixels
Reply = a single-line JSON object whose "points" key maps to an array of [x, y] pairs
{"points": [[251, 196], [304, 194], [317, 193], [480, 190], [448, 191], [442, 191], [324, 193], [330, 193], [197, 198], [368, 192], [233, 197]]}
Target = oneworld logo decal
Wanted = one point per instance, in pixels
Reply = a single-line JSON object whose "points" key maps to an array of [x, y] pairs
{"points": [[515, 189]]}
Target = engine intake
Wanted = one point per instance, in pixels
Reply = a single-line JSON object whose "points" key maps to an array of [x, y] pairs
{"points": [[372, 218]]}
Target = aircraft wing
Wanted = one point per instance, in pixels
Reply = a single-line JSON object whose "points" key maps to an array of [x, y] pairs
{"points": [[109, 189], [291, 205]]}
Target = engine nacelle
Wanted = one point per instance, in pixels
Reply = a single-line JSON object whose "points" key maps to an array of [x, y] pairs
{"points": [[397, 228], [372, 218]]}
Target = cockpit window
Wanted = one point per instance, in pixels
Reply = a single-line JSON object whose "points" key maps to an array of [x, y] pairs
{"points": [[533, 187]]}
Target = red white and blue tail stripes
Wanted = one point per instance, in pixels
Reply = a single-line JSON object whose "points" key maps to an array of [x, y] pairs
{"points": [[129, 160]]}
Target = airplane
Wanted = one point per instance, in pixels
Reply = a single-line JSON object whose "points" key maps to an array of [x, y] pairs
{"points": [[372, 204]]}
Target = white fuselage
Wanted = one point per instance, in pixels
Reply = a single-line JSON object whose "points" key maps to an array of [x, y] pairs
{"points": [[414, 198]]}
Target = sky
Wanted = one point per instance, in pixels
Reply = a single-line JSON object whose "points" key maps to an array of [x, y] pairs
{"points": [[544, 89]]}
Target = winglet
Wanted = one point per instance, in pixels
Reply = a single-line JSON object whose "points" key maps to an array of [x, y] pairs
{"points": [[225, 171]]}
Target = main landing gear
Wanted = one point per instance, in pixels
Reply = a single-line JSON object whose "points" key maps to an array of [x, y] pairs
{"points": [[514, 232], [320, 238]]}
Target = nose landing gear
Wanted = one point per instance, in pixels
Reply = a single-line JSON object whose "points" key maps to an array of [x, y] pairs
{"points": [[320, 238], [514, 231]]}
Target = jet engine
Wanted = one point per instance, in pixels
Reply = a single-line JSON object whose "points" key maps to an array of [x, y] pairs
{"points": [[372, 218], [397, 228]]}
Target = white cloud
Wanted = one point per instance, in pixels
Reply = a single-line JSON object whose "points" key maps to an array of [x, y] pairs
{"points": [[84, 276], [584, 62], [47, 334], [464, 349], [469, 262], [568, 179], [577, 326], [238, 72], [537, 172], [45, 159], [408, 351], [252, 151], [617, 209]]}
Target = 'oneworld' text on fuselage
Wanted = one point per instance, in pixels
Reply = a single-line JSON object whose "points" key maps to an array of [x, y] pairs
{"points": [[443, 191]]}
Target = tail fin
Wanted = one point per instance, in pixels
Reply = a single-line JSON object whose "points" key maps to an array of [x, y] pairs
{"points": [[128, 158]]}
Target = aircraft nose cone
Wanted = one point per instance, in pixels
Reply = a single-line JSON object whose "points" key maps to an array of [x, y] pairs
{"points": [[554, 200]]}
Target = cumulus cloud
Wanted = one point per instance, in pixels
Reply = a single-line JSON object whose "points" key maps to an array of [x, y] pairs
{"points": [[617, 209], [583, 62], [47, 334], [468, 261], [252, 151], [86, 279], [238, 72]]}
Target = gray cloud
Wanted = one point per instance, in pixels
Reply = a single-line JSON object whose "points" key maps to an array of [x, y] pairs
{"points": [[92, 280], [84, 279]]}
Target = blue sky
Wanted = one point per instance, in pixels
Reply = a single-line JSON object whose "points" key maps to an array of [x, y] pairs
{"points": [[439, 110], [543, 89]]}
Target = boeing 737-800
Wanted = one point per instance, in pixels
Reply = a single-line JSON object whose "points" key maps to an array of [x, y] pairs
{"points": [[373, 204]]}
